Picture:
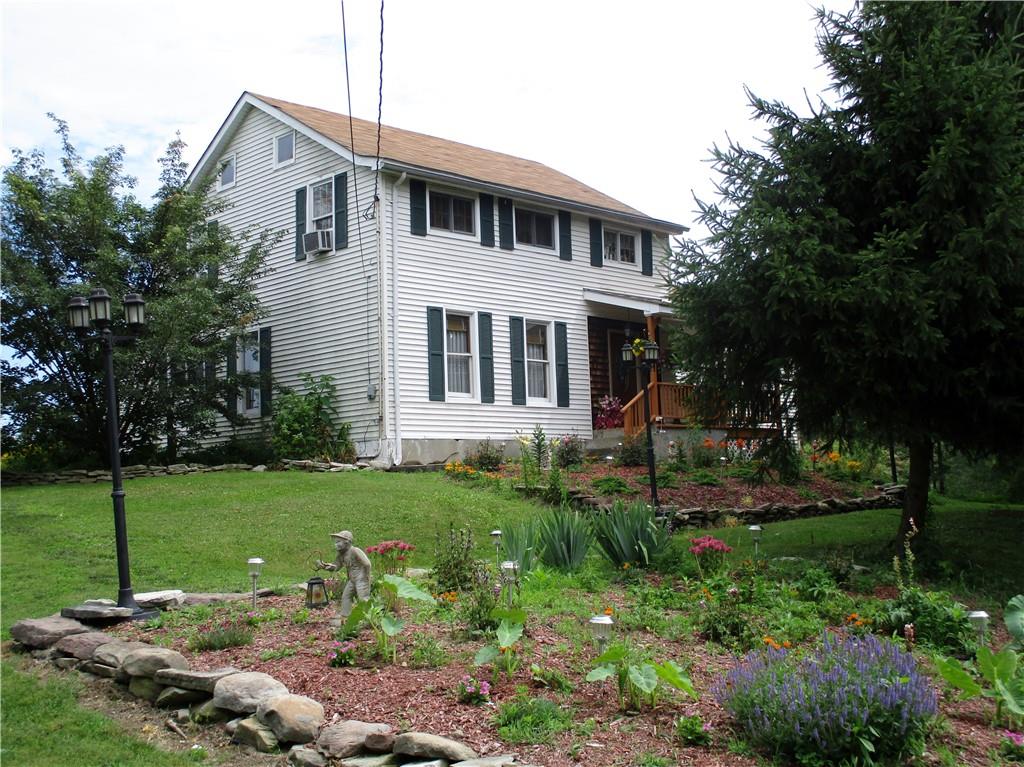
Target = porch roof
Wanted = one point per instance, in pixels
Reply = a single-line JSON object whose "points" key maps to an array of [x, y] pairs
{"points": [[650, 307]]}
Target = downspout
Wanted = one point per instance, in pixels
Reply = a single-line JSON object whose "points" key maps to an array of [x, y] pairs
{"points": [[395, 382]]}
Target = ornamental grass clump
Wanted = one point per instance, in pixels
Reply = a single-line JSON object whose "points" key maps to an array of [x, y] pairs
{"points": [[854, 700]]}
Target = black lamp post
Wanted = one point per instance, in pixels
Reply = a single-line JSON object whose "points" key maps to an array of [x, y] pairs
{"points": [[645, 361], [95, 312]]}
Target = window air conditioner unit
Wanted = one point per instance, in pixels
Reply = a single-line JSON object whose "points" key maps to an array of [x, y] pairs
{"points": [[317, 241]]}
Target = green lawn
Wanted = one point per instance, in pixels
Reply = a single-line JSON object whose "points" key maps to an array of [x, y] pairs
{"points": [[196, 532]]}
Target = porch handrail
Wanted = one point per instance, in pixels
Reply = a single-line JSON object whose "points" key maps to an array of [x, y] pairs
{"points": [[676, 402]]}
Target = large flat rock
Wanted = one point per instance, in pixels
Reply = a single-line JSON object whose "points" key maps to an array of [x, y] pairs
{"points": [[114, 652], [162, 599], [293, 718], [245, 692], [83, 646], [203, 681], [432, 747], [98, 613], [346, 738], [146, 661], [44, 632]]}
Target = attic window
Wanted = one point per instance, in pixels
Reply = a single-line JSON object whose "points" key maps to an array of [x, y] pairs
{"points": [[227, 173], [284, 149]]}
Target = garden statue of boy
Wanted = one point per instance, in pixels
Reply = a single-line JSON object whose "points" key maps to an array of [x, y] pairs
{"points": [[357, 568]]}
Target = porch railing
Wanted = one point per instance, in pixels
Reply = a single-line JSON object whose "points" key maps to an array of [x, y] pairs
{"points": [[674, 404]]}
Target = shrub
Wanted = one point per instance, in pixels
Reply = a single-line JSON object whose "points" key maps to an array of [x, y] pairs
{"points": [[520, 543], [454, 565], [565, 537], [609, 413], [630, 534], [633, 452], [782, 457], [852, 700], [611, 485], [479, 601], [487, 456], [693, 731], [427, 652], [703, 477], [531, 720], [938, 620], [222, 637], [567, 451], [303, 426]]}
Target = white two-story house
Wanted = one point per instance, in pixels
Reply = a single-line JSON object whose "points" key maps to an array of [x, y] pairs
{"points": [[453, 293]]}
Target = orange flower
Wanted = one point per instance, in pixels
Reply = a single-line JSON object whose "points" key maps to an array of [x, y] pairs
{"points": [[607, 611], [741, 443], [708, 442], [787, 644]]}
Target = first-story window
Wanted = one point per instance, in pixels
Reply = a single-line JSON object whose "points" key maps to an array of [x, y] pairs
{"points": [[537, 360], [535, 228], [459, 353], [227, 173], [248, 364], [619, 246], [450, 212]]}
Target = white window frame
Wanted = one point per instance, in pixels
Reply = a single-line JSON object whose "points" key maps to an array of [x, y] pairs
{"points": [[474, 357], [462, 196], [220, 174], [554, 228], [549, 328], [310, 221], [251, 340], [605, 232], [278, 163]]}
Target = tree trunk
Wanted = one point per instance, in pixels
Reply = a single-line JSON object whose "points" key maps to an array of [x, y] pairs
{"points": [[940, 469], [915, 503], [892, 461]]}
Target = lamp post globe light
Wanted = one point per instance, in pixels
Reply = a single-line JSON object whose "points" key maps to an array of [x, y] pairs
{"points": [[645, 361], [95, 312]]}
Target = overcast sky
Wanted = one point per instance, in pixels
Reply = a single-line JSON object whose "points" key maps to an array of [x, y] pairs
{"points": [[627, 97]]}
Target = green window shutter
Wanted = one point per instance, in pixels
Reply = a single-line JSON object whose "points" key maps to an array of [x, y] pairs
{"points": [[596, 243], [565, 235], [300, 223], [516, 334], [505, 223], [561, 364], [341, 211], [487, 221], [486, 346], [265, 377], [231, 398], [212, 270], [418, 207], [210, 371], [646, 253], [435, 353]]}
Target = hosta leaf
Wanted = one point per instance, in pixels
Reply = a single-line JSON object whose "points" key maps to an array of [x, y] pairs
{"points": [[953, 672], [644, 677], [509, 633], [672, 673], [485, 654], [601, 673], [613, 654], [406, 589]]}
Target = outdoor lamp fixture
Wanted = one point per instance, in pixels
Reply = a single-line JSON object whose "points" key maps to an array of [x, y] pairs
{"points": [[609, 459], [648, 360], [316, 593], [95, 312], [255, 565], [601, 629], [510, 578], [756, 531], [496, 537], [979, 619]]}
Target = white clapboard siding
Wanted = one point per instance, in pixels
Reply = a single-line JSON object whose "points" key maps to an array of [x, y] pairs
{"points": [[456, 272], [323, 310]]}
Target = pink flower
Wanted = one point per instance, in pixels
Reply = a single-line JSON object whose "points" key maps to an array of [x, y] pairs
{"points": [[1015, 737]]}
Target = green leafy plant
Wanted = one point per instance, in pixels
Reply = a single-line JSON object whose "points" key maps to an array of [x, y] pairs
{"points": [[503, 652], [531, 720], [611, 485], [376, 612], [278, 654], [703, 477], [454, 563], [427, 652], [1003, 674], [632, 452], [555, 492], [693, 731], [539, 447], [567, 451], [476, 607], [550, 678], [565, 537], [1013, 617], [487, 456], [520, 544], [303, 423], [221, 637], [638, 681], [630, 535]]}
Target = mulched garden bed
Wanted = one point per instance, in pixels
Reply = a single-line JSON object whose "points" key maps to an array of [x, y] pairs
{"points": [[424, 699]]}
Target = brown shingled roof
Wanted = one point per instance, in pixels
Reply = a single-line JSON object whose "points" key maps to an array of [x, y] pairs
{"points": [[431, 153]]}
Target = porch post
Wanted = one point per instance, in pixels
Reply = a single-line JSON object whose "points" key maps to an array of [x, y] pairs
{"points": [[652, 328]]}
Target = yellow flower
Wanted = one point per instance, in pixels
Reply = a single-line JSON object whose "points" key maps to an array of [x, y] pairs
{"points": [[625, 565]]}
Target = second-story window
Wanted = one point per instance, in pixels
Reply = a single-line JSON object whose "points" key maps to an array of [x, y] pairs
{"points": [[227, 173], [535, 228], [284, 148], [322, 208], [450, 212], [619, 246]]}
